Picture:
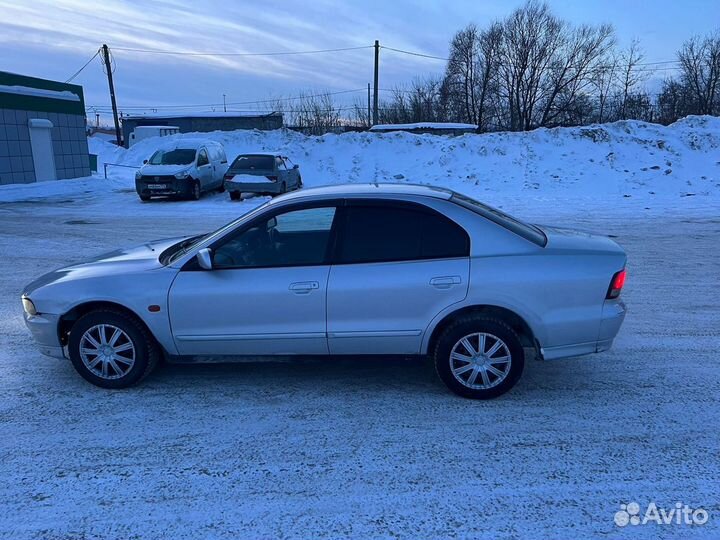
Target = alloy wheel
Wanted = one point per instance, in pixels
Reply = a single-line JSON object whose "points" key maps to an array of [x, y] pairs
{"points": [[107, 351], [480, 361]]}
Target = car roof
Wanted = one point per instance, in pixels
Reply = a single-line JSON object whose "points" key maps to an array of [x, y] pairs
{"points": [[271, 154], [370, 190], [188, 143]]}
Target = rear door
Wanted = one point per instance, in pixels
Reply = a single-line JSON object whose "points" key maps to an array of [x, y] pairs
{"points": [[398, 264]]}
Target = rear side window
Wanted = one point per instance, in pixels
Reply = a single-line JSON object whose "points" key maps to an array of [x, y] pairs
{"points": [[381, 233]]}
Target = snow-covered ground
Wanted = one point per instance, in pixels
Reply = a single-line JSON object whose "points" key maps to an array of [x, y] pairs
{"points": [[379, 448]]}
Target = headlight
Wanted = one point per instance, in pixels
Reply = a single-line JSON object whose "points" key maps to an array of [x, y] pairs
{"points": [[138, 175], [28, 306], [182, 175]]}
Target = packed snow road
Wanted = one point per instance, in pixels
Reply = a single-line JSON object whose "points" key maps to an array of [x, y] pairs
{"points": [[365, 448]]}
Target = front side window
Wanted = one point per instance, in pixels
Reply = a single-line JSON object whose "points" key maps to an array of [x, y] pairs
{"points": [[397, 233], [294, 238], [177, 156], [202, 158]]}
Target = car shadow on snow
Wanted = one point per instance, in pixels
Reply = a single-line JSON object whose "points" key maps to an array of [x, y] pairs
{"points": [[395, 375]]}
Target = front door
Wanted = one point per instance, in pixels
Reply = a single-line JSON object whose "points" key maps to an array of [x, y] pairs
{"points": [[398, 266], [266, 293], [204, 168]]}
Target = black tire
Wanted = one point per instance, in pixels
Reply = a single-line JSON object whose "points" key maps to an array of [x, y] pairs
{"points": [[196, 191], [144, 198], [476, 324], [283, 189], [221, 189], [147, 351], [235, 195]]}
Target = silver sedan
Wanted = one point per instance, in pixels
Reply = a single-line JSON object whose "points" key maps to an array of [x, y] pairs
{"points": [[343, 270]]}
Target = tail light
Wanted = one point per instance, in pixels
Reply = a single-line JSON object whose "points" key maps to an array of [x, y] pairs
{"points": [[273, 178], [616, 284]]}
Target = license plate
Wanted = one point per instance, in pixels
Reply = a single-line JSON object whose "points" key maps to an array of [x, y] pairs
{"points": [[157, 186]]}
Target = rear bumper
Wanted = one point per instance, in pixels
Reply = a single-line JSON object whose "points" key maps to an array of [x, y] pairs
{"points": [[253, 187], [172, 187], [44, 329], [613, 315]]}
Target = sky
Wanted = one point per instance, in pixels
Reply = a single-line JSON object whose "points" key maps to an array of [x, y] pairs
{"points": [[53, 39]]}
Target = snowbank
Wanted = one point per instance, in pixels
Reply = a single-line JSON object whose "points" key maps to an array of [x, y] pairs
{"points": [[631, 163]]}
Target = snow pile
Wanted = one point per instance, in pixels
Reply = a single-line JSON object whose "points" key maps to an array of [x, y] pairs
{"points": [[631, 163]]}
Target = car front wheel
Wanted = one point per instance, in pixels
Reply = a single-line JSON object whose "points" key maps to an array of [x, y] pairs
{"points": [[111, 349], [195, 191], [234, 195], [479, 357]]}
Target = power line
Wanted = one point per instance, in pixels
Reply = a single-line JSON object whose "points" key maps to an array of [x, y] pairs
{"points": [[277, 53], [84, 66], [600, 67], [197, 106], [412, 53]]}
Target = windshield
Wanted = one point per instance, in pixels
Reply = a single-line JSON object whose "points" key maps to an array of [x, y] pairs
{"points": [[178, 156], [174, 252], [527, 231], [251, 163]]}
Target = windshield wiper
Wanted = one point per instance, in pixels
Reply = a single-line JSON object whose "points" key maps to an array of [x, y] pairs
{"points": [[181, 248]]}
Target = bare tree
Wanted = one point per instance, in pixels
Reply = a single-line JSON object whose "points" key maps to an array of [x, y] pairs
{"points": [[700, 62], [470, 80], [602, 80], [546, 65], [674, 101], [629, 76], [421, 101]]}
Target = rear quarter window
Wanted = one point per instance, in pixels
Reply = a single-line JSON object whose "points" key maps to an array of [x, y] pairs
{"points": [[525, 230]]}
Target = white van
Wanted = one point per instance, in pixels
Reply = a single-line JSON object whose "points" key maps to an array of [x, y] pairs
{"points": [[143, 132], [183, 168]]}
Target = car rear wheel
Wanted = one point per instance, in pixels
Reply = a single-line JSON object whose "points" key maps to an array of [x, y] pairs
{"points": [[144, 198], [235, 195], [479, 357], [221, 189], [111, 349]]}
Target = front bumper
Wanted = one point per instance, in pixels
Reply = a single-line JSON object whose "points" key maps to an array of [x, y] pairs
{"points": [[254, 187], [44, 329], [163, 187]]}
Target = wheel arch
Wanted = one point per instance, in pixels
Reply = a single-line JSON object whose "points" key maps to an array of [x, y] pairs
{"points": [[527, 336], [68, 319]]}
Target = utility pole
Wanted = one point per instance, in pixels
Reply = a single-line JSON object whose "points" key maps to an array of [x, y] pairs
{"points": [[108, 69], [375, 97], [369, 117], [224, 106]]}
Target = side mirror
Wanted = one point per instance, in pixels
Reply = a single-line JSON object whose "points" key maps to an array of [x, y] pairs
{"points": [[204, 259], [145, 161], [296, 166]]}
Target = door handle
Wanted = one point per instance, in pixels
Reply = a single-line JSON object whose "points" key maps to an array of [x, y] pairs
{"points": [[304, 287], [445, 282]]}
